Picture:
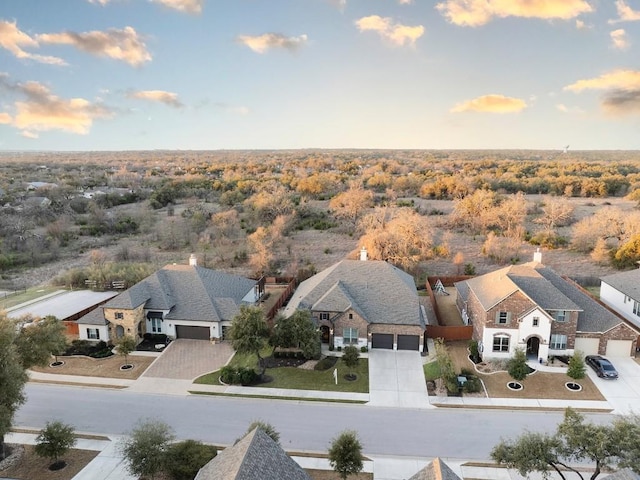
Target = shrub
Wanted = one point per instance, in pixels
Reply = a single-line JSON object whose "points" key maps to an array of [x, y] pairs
{"points": [[364, 349], [469, 269], [474, 352], [326, 363], [576, 368], [517, 365], [246, 376], [472, 385], [228, 374], [339, 349]]}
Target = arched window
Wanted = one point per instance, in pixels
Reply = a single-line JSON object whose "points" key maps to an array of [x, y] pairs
{"points": [[119, 331], [501, 342]]}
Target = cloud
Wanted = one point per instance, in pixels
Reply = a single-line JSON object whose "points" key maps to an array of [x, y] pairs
{"points": [[234, 109], [571, 110], [14, 40], [124, 45], [29, 134], [100, 2], [395, 33], [622, 102], [491, 104], [5, 118], [405, 2], [168, 98], [619, 39], [262, 43], [186, 6], [42, 111], [625, 13], [617, 79], [473, 13]]}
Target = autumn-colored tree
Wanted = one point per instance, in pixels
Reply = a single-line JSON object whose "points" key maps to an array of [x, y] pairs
{"points": [[351, 203], [556, 212]]}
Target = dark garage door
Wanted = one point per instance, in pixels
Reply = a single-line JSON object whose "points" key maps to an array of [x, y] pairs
{"points": [[197, 333], [382, 340], [408, 342]]}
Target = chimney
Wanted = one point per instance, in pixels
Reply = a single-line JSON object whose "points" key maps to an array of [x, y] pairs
{"points": [[537, 256], [193, 261], [363, 254]]}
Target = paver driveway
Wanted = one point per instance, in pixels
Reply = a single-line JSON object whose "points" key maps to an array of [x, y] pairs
{"points": [[188, 359]]}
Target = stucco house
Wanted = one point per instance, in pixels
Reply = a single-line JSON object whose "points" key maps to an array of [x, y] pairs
{"points": [[181, 301], [531, 307], [621, 292], [365, 303]]}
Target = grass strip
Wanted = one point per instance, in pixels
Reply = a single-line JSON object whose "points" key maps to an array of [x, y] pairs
{"points": [[276, 397]]}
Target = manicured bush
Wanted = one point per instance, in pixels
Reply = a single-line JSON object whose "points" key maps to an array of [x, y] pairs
{"points": [[326, 363], [577, 369], [472, 385], [227, 374], [474, 352], [364, 349], [246, 376]]}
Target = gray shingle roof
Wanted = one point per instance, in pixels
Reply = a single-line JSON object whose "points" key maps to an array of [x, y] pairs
{"points": [[436, 470], [188, 292], [94, 317], [625, 282], [255, 457], [626, 474], [380, 292]]}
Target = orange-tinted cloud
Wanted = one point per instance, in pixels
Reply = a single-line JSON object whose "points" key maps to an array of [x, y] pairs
{"points": [[473, 13], [619, 39], [124, 45], [5, 118], [186, 6], [168, 98], [396, 33], [42, 111], [491, 104], [15, 41], [267, 41], [625, 13], [621, 91]]}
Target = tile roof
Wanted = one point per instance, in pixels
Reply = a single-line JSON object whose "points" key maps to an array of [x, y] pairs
{"points": [[255, 457], [436, 470], [188, 293], [380, 292], [625, 282]]}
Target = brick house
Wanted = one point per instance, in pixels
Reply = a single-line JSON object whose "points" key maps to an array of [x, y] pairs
{"points": [[364, 303], [181, 301], [531, 307]]}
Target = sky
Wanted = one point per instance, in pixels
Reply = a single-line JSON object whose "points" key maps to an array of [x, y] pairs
{"points": [[81, 75]]}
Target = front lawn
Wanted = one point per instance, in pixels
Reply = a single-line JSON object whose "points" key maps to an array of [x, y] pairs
{"points": [[298, 378]]}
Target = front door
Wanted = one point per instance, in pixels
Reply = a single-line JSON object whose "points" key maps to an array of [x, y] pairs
{"points": [[533, 345], [324, 330]]}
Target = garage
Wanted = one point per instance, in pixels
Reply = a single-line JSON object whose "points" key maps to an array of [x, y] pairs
{"points": [[408, 342], [588, 346], [195, 333], [382, 340], [619, 348]]}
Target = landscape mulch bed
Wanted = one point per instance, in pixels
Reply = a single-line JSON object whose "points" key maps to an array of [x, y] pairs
{"points": [[33, 467], [102, 367]]}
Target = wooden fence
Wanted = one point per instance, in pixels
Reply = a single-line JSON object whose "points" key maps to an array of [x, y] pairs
{"points": [[464, 332], [284, 296]]}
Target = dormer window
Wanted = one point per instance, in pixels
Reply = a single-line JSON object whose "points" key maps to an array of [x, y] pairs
{"points": [[324, 316], [502, 318], [119, 315], [560, 316]]}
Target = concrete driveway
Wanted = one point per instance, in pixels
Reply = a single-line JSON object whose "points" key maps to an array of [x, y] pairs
{"points": [[622, 394], [188, 359], [396, 379]]}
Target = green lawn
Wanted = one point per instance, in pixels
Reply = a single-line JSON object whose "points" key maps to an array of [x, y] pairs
{"points": [[431, 370], [298, 379], [30, 294]]}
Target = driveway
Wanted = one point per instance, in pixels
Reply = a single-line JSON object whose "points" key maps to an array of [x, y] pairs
{"points": [[396, 379], [188, 359], [622, 394]]}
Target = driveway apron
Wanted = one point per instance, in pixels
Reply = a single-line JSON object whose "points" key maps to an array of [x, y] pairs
{"points": [[622, 394], [396, 379]]}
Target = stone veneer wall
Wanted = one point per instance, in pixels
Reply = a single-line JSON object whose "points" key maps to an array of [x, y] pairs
{"points": [[130, 321]]}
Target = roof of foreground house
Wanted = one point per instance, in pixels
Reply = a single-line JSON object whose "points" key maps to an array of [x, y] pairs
{"points": [[436, 470], [546, 289], [626, 474], [377, 290], [255, 457], [188, 292], [625, 282]]}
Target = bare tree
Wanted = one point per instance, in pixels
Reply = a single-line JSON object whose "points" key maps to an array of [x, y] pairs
{"points": [[352, 203], [557, 212]]}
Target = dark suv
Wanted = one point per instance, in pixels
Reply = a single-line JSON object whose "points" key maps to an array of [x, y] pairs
{"points": [[603, 367]]}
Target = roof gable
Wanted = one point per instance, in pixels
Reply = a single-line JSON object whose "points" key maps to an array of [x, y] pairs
{"points": [[627, 283], [436, 470]]}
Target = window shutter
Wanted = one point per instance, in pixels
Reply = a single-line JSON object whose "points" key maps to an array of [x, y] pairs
{"points": [[97, 334], [508, 317], [88, 334], [497, 317]]}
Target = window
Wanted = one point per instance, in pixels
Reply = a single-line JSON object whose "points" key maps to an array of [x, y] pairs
{"points": [[503, 317], [119, 315], [558, 342], [636, 308], [324, 316], [351, 316], [536, 321], [560, 316], [501, 343], [349, 336], [93, 334], [156, 325]]}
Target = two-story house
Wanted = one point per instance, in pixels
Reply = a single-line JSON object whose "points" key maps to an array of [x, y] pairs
{"points": [[531, 307]]}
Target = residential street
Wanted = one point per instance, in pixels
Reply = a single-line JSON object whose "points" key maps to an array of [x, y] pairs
{"points": [[449, 433]]}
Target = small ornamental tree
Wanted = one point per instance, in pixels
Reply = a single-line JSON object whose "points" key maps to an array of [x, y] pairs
{"points": [[350, 359], [145, 447], [345, 454], [183, 460], [249, 332], [517, 365], [126, 345], [447, 369], [577, 369], [53, 441]]}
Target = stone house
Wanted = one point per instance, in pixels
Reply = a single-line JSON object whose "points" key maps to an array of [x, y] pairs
{"points": [[363, 303], [181, 301], [531, 307]]}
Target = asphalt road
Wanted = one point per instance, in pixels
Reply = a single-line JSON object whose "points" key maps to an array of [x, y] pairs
{"points": [[303, 426]]}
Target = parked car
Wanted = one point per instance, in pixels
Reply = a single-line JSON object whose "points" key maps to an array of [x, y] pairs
{"points": [[603, 367]]}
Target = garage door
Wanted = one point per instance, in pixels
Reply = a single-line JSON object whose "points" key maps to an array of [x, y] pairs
{"points": [[197, 333], [619, 348], [588, 346], [408, 342], [382, 340]]}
